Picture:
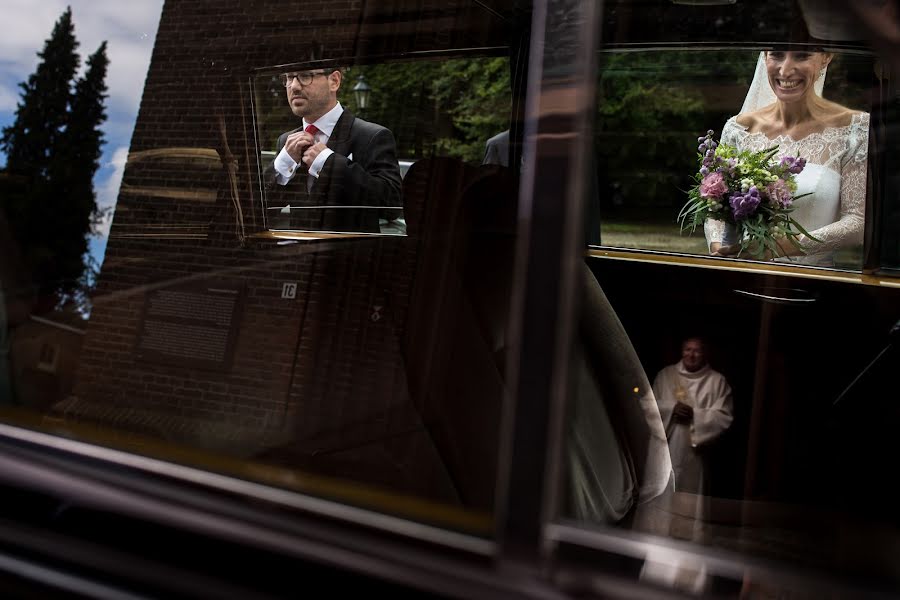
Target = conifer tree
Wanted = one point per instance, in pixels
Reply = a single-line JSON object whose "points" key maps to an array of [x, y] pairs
{"points": [[74, 161], [53, 148], [42, 112]]}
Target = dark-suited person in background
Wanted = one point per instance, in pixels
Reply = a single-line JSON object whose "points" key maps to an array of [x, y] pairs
{"points": [[496, 150], [333, 159]]}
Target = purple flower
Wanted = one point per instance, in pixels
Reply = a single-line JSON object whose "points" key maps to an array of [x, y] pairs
{"points": [[744, 205], [731, 165], [793, 165], [779, 194], [704, 170]]}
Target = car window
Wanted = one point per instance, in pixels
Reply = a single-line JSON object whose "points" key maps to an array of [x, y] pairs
{"points": [[246, 320], [452, 106], [394, 313], [656, 107], [721, 405]]}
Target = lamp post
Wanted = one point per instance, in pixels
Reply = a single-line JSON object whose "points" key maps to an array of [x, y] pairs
{"points": [[362, 91]]}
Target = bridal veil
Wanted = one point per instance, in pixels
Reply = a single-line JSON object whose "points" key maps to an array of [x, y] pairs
{"points": [[760, 93]]}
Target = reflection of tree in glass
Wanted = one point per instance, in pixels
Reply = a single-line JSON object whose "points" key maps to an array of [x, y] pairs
{"points": [[53, 147], [273, 116], [448, 107], [445, 107], [651, 108], [850, 79]]}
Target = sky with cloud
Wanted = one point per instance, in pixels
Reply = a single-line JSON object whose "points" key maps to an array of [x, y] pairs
{"points": [[129, 28]]}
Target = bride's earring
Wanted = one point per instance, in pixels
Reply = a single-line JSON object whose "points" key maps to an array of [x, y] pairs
{"points": [[822, 73]]}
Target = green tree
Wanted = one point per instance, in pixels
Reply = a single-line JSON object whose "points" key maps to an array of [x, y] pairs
{"points": [[75, 161], [42, 112], [476, 96], [651, 108], [449, 107], [53, 149]]}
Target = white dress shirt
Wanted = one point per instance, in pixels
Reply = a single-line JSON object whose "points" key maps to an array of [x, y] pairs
{"points": [[286, 167]]}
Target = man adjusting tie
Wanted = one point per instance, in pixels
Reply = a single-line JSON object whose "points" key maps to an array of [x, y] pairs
{"points": [[334, 165]]}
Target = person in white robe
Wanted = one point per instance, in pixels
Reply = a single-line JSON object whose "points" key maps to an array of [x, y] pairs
{"points": [[695, 404]]}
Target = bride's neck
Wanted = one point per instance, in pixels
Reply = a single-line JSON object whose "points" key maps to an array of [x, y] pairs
{"points": [[796, 118], [790, 115]]}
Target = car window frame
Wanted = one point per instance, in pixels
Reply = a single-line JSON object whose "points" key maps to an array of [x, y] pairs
{"points": [[878, 198], [527, 532]]}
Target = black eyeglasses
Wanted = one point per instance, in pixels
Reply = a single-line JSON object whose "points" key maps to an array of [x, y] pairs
{"points": [[304, 77]]}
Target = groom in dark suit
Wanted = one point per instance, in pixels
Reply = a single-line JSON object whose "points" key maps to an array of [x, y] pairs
{"points": [[334, 162]]}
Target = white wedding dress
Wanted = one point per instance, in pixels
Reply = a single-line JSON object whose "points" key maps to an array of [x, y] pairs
{"points": [[835, 173]]}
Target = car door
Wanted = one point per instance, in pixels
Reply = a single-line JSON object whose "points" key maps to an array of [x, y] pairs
{"points": [[808, 352]]}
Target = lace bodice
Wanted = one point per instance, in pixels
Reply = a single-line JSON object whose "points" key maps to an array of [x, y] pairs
{"points": [[835, 174]]}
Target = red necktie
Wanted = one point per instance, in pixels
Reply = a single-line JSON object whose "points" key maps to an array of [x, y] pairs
{"points": [[312, 130]]}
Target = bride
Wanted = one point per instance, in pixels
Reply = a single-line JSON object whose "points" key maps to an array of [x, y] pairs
{"points": [[785, 107]]}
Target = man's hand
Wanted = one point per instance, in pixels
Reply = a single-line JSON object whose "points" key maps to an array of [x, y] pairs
{"points": [[682, 413], [297, 143], [312, 152]]}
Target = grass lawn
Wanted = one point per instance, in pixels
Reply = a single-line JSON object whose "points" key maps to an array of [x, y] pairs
{"points": [[652, 236], [667, 237]]}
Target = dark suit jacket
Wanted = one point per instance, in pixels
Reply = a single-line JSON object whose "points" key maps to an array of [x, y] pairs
{"points": [[496, 150], [371, 178]]}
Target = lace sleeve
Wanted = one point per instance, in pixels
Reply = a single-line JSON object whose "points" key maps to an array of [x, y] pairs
{"points": [[731, 132], [714, 229], [848, 229]]}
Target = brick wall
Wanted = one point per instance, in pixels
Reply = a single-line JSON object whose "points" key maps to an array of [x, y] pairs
{"points": [[316, 381]]}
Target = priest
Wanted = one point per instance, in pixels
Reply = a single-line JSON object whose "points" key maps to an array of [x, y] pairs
{"points": [[695, 404]]}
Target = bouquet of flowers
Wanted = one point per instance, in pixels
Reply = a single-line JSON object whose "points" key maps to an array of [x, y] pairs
{"points": [[751, 191]]}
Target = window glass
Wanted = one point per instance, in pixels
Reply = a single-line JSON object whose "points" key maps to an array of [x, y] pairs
{"points": [[888, 224], [451, 106], [655, 105], [722, 404], [227, 327]]}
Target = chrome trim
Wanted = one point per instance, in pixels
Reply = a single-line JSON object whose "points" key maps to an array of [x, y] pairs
{"points": [[774, 299], [724, 563], [62, 581], [705, 262], [637, 545], [295, 500]]}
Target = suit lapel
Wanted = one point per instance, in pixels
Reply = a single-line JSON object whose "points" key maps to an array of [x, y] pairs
{"points": [[340, 137]]}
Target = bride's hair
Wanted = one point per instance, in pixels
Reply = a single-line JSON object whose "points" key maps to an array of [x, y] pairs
{"points": [[760, 93]]}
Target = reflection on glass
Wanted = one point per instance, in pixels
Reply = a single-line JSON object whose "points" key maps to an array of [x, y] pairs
{"points": [[823, 143], [336, 168], [450, 107], [654, 105], [66, 129], [261, 356], [695, 405], [768, 419]]}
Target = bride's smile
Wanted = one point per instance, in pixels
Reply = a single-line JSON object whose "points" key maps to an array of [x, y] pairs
{"points": [[793, 74], [787, 84]]}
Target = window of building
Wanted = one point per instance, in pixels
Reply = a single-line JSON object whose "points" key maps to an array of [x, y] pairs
{"points": [[48, 357]]}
